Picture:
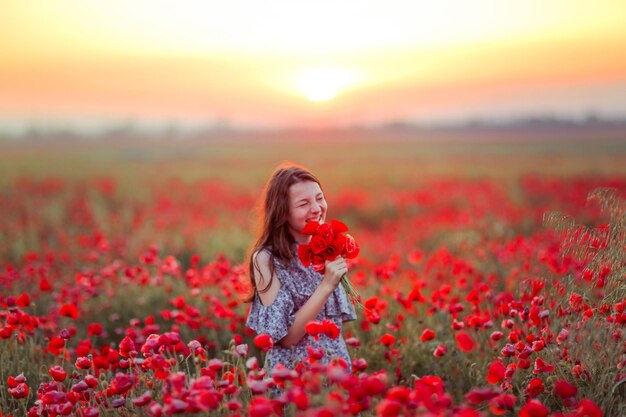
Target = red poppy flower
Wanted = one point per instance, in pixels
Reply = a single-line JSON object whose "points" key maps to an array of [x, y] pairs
{"points": [[541, 366], [479, 395], [264, 342], [57, 373], [315, 353], [388, 408], [387, 339], [588, 408], [427, 335], [314, 328], [495, 372], [564, 389], [14, 381], [20, 391], [351, 249], [127, 348], [534, 388], [502, 403], [533, 408], [260, 407], [23, 300], [464, 342], [575, 300], [155, 409], [330, 329], [440, 351], [415, 257], [69, 310], [44, 285], [94, 329], [83, 363], [353, 341], [359, 364], [523, 363], [495, 336], [300, 398], [371, 302], [89, 412]]}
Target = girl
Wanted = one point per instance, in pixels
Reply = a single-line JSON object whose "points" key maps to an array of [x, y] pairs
{"points": [[286, 294]]}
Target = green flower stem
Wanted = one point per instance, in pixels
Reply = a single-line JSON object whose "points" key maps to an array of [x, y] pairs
{"points": [[354, 295]]}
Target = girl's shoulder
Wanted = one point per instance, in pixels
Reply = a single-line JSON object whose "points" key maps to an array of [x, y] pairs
{"points": [[262, 256], [266, 256]]}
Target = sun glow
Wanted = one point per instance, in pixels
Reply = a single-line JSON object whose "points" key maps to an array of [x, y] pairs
{"points": [[323, 84]]}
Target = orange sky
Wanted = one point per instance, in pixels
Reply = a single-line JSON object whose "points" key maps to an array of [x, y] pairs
{"points": [[245, 60]]}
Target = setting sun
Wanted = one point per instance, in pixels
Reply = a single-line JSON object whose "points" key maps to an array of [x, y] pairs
{"points": [[323, 84]]}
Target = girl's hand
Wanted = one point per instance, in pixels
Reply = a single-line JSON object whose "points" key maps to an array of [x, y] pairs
{"points": [[334, 271]]}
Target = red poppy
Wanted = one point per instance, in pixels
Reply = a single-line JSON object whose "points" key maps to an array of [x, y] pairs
{"points": [[14, 381], [588, 408], [330, 329], [127, 348], [260, 407], [69, 310], [479, 395], [575, 300], [541, 366], [388, 408], [264, 342], [155, 409], [387, 339], [464, 342], [359, 364], [83, 363], [20, 391], [415, 257], [440, 351], [314, 328], [533, 408], [89, 412], [23, 300], [44, 285], [502, 403], [564, 389], [427, 335], [300, 398], [353, 341], [495, 372], [495, 336], [351, 249], [94, 329], [534, 388], [57, 373]]}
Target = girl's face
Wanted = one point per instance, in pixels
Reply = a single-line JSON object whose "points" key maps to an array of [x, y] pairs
{"points": [[306, 203]]}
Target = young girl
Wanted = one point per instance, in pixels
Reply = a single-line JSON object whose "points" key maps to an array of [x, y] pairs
{"points": [[288, 295]]}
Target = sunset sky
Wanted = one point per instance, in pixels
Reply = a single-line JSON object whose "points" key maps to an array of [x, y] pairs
{"points": [[310, 63]]}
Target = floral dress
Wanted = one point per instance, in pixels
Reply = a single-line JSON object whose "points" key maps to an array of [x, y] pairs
{"points": [[297, 284]]}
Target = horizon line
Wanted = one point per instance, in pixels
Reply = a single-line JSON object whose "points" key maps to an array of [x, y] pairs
{"points": [[20, 127]]}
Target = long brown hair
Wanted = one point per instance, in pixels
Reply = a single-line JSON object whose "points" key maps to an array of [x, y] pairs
{"points": [[274, 234]]}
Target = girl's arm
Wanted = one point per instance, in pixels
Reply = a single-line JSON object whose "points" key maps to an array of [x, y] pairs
{"points": [[309, 311]]}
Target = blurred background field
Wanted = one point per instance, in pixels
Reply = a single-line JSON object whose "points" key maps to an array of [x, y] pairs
{"points": [[360, 168], [347, 157]]}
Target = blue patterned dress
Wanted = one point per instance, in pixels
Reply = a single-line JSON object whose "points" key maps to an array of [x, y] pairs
{"points": [[297, 284]]}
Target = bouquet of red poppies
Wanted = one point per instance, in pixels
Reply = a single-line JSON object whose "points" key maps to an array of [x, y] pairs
{"points": [[328, 241]]}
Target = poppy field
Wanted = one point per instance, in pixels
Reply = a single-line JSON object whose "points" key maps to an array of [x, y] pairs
{"points": [[493, 283]]}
